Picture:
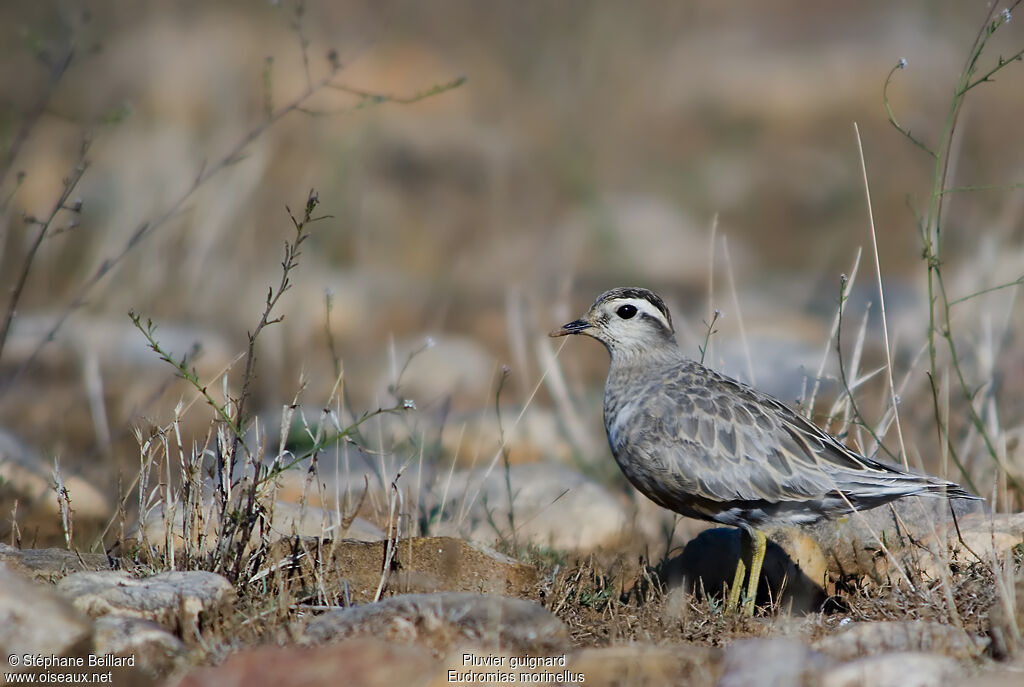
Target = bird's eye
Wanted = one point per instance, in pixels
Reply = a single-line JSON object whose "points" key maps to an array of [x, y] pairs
{"points": [[626, 311]]}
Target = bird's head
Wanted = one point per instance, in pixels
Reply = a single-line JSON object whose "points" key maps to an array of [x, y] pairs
{"points": [[627, 320]]}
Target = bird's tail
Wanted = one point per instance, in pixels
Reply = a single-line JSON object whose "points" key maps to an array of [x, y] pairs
{"points": [[879, 492], [952, 490]]}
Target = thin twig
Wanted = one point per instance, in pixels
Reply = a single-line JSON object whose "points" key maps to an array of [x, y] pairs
{"points": [[44, 226], [881, 299]]}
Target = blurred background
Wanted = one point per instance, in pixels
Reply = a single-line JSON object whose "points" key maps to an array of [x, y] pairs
{"points": [[700, 148]]}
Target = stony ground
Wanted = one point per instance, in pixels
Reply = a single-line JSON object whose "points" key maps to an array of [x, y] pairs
{"points": [[452, 610]]}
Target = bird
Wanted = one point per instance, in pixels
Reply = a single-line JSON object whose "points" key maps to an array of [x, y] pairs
{"points": [[707, 446]]}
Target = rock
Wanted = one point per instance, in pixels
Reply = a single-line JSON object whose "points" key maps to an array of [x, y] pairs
{"points": [[22, 476], [185, 602], [27, 478], [357, 662], [904, 669], [291, 519], [34, 620], [1006, 619], [879, 637], [792, 575], [552, 506], [1003, 674], [447, 619], [154, 648], [693, 665], [432, 368], [756, 662], [49, 565], [802, 566], [851, 543], [287, 520], [982, 538], [420, 564]]}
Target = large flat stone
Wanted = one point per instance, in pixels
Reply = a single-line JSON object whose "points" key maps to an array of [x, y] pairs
{"points": [[446, 619], [904, 669], [692, 665], [184, 602], [49, 565], [421, 564], [362, 662], [879, 637], [35, 620]]}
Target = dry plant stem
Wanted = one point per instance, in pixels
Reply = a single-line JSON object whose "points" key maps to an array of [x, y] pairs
{"points": [[63, 504], [183, 366], [394, 535], [43, 230], [736, 307], [57, 70], [332, 348], [707, 334], [999, 287], [881, 299], [834, 332], [848, 386], [348, 518], [864, 521], [931, 223], [941, 426], [194, 469], [15, 530], [713, 312], [170, 505], [505, 459], [292, 251], [515, 324], [490, 466], [968, 394]]}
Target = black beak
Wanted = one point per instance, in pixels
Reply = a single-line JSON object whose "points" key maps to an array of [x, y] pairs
{"points": [[574, 327]]}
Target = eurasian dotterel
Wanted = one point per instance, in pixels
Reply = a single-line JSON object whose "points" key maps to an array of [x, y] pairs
{"points": [[709, 447]]}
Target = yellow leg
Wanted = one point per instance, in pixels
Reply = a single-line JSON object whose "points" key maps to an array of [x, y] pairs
{"points": [[737, 584], [756, 560]]}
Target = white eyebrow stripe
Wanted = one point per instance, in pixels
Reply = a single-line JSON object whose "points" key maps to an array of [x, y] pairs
{"points": [[643, 306]]}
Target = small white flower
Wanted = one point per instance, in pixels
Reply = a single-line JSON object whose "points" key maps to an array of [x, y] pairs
{"points": [[409, 404], [1006, 15], [902, 64], [429, 342]]}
